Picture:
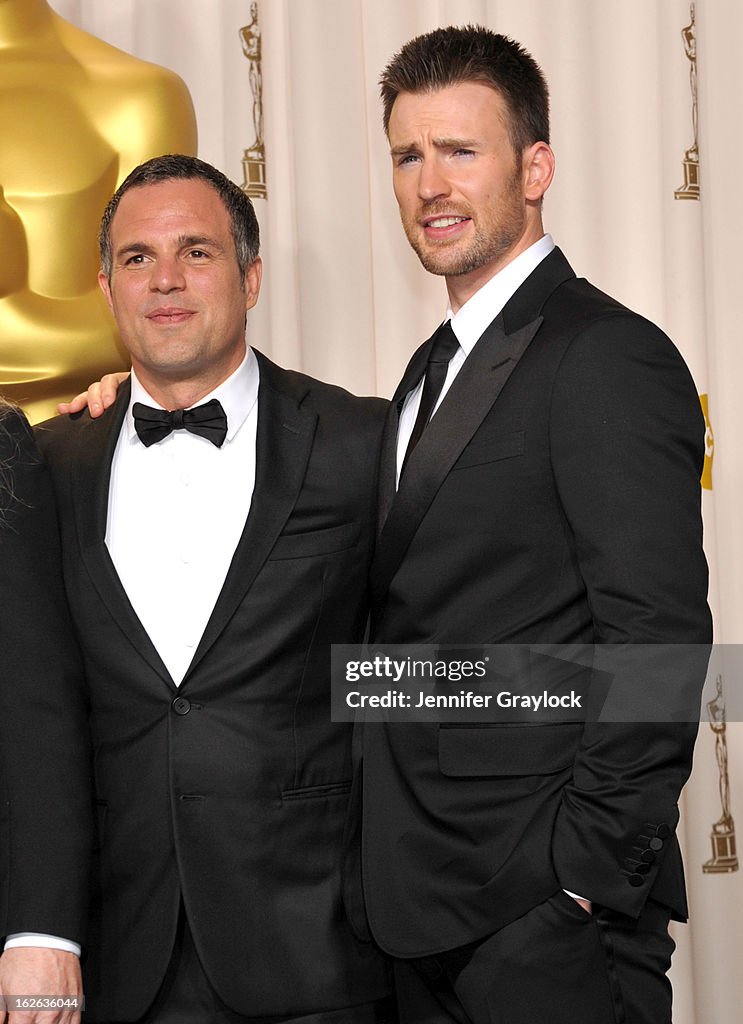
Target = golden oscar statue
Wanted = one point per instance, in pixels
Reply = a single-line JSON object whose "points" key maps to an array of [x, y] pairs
{"points": [[76, 115], [724, 854], [254, 158], [690, 189]]}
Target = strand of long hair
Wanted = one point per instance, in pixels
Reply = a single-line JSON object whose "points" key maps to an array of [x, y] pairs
{"points": [[7, 494]]}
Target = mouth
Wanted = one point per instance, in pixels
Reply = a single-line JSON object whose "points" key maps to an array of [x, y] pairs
{"points": [[167, 315], [444, 225]]}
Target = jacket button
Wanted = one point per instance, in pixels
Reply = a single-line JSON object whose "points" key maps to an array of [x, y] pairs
{"points": [[636, 880], [656, 844], [181, 705], [648, 856], [663, 831]]}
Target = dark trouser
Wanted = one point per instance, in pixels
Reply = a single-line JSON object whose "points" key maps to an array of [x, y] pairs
{"points": [[555, 965], [187, 997]]}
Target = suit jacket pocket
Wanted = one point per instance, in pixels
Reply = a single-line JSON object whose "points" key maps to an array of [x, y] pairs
{"points": [[508, 749], [316, 542], [313, 792], [491, 449]]}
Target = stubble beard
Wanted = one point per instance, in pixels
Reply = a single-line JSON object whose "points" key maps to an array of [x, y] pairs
{"points": [[491, 242]]}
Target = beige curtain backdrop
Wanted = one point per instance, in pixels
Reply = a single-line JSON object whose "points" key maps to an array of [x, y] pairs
{"points": [[345, 299]]}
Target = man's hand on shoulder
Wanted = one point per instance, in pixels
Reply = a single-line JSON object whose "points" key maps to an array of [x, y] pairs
{"points": [[99, 396], [45, 986]]}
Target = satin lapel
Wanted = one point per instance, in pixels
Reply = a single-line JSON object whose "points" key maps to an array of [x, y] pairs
{"points": [[414, 370], [283, 445], [89, 483], [388, 464], [465, 406], [388, 457]]}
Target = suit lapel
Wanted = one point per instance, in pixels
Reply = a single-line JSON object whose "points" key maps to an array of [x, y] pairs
{"points": [[465, 406], [90, 480], [468, 401], [283, 444], [387, 464], [388, 457]]}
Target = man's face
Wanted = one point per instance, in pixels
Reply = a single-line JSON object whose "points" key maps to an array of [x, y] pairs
{"points": [[176, 290], [459, 185]]}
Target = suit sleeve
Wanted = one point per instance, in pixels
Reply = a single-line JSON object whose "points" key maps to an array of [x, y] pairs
{"points": [[45, 815], [627, 443]]}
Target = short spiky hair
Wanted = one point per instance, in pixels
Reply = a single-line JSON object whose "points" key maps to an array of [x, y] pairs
{"points": [[176, 166], [450, 56]]}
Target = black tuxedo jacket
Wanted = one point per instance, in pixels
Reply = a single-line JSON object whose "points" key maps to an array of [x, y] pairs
{"points": [[45, 796], [229, 792], [554, 498]]}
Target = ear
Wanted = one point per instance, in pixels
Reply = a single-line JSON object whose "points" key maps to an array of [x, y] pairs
{"points": [[105, 287], [539, 169], [253, 277]]}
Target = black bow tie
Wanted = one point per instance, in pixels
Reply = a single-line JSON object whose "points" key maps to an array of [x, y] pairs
{"points": [[207, 420]]}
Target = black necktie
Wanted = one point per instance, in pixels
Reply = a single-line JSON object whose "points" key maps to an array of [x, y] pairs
{"points": [[207, 420], [444, 346]]}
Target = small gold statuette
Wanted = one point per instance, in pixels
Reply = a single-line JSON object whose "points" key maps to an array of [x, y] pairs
{"points": [[690, 188], [254, 157], [724, 856]]}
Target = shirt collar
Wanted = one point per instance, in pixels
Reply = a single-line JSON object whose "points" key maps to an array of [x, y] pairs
{"points": [[469, 322], [238, 394]]}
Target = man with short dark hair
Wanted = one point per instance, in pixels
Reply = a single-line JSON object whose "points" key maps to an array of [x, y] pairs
{"points": [[216, 528], [539, 485]]}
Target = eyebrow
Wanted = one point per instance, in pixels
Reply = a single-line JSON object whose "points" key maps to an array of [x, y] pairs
{"points": [[133, 248], [194, 240], [440, 142], [183, 242]]}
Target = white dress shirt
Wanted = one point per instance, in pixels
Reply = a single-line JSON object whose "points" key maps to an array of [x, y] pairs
{"points": [[176, 511], [468, 324]]}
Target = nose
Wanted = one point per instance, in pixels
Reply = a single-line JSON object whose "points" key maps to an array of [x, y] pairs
{"points": [[432, 182], [167, 275]]}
